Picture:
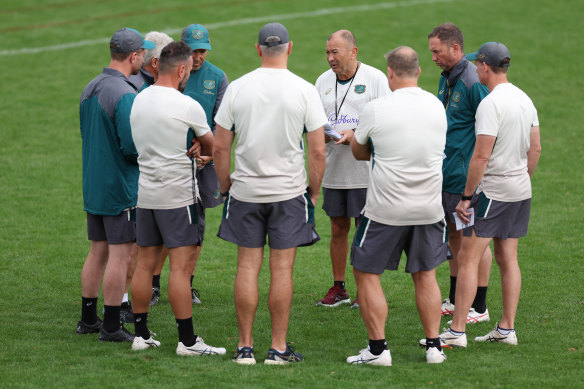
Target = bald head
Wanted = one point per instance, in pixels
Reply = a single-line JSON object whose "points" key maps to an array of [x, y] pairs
{"points": [[403, 61], [347, 36]]}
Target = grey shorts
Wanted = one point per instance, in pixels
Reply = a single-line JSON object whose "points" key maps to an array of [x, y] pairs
{"points": [[378, 247], [498, 219], [449, 203], [344, 202], [115, 229], [172, 227], [209, 186], [287, 223]]}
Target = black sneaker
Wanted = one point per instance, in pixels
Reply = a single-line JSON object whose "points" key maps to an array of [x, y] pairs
{"points": [[84, 328], [126, 314], [288, 356], [121, 335], [196, 297], [155, 296]]}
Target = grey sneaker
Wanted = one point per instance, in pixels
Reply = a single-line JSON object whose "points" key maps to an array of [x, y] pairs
{"points": [[155, 296], [196, 296], [199, 348], [496, 336], [447, 308], [244, 356], [84, 328], [126, 314], [121, 335]]}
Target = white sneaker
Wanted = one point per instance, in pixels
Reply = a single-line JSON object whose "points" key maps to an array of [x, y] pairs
{"points": [[448, 339], [199, 348], [496, 336], [365, 356], [475, 317], [447, 308], [433, 355], [142, 344]]}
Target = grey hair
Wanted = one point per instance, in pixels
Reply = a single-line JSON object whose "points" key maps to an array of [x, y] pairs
{"points": [[160, 39], [274, 51]]}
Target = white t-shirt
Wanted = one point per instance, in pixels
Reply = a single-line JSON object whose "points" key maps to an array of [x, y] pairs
{"points": [[161, 119], [508, 114], [343, 171], [407, 130], [270, 109]]}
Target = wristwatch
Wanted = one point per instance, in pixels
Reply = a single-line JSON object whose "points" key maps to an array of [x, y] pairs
{"points": [[465, 198]]}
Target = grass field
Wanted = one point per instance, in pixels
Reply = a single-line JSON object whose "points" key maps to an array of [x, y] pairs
{"points": [[51, 49]]}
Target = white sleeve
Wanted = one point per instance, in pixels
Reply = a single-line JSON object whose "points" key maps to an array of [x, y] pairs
{"points": [[315, 116], [382, 85], [224, 116], [487, 118], [366, 124], [197, 119]]}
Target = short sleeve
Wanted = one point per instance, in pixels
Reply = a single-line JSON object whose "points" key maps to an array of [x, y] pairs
{"points": [[224, 116], [315, 116], [487, 118], [197, 119], [366, 124]]}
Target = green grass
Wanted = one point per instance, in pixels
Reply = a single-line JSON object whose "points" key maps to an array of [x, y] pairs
{"points": [[42, 224]]}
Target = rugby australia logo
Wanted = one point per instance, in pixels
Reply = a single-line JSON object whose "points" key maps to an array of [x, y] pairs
{"points": [[360, 88]]}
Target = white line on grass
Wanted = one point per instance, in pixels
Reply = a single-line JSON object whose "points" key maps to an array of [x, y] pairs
{"points": [[237, 22]]}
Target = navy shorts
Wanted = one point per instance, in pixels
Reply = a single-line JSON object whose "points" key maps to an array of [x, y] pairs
{"points": [[344, 202], [287, 224], [378, 247], [498, 219], [172, 227], [114, 229]]}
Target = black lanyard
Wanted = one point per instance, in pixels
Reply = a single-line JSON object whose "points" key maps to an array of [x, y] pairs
{"points": [[337, 111]]}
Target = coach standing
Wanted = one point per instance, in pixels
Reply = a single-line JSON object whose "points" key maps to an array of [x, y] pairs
{"points": [[506, 154], [163, 124], [110, 184], [269, 108], [461, 93], [344, 90], [407, 132]]}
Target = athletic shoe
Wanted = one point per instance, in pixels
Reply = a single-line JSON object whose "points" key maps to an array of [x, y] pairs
{"points": [[335, 297], [288, 356], [447, 308], [244, 356], [121, 335], [199, 348], [475, 317], [433, 355], [126, 314], [496, 336], [196, 297], [155, 296], [355, 303], [142, 344], [448, 339], [84, 328], [365, 356]]}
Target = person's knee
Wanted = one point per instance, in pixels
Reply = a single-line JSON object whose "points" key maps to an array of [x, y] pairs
{"points": [[340, 226]]}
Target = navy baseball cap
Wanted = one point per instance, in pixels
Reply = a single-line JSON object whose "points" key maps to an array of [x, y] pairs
{"points": [[493, 54], [196, 36], [126, 40], [273, 34]]}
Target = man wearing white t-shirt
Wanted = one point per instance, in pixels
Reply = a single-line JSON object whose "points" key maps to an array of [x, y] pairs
{"points": [[344, 90], [268, 110], [404, 136], [505, 156], [164, 122]]}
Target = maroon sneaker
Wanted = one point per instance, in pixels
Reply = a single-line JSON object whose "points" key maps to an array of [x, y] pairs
{"points": [[335, 297]]}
